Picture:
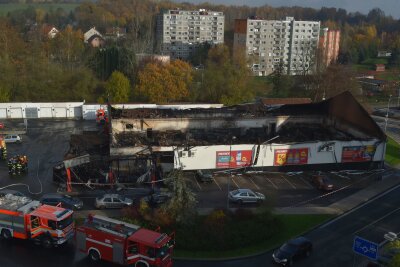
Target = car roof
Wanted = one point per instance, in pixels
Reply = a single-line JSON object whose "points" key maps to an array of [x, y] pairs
{"points": [[299, 240], [244, 190], [53, 195], [111, 195]]}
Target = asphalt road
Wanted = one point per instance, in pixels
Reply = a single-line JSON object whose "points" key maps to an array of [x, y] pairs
{"points": [[332, 243]]}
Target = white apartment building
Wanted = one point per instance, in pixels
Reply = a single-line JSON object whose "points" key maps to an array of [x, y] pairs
{"points": [[269, 43], [180, 33]]}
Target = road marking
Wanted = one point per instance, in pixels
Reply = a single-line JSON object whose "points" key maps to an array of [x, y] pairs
{"points": [[233, 180], [254, 183], [198, 184], [377, 220], [288, 181], [215, 180], [274, 185], [359, 207], [307, 183]]}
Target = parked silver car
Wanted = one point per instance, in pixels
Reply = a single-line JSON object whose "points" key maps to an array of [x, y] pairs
{"points": [[241, 196], [112, 201], [13, 138]]}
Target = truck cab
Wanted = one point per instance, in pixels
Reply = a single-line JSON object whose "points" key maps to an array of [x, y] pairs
{"points": [[21, 217], [103, 238]]}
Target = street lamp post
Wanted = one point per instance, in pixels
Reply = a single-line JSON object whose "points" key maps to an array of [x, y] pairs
{"points": [[230, 174], [387, 113]]}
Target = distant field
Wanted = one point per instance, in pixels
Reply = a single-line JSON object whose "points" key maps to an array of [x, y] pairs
{"points": [[5, 8]]}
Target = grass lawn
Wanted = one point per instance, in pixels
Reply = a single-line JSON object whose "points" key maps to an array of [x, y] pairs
{"points": [[293, 225], [388, 76], [392, 156], [5, 8], [373, 61]]}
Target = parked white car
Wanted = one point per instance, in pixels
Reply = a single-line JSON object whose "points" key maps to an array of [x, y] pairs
{"points": [[13, 138]]}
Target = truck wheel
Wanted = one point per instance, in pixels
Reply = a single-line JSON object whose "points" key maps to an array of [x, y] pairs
{"points": [[6, 234], [94, 255], [47, 242], [141, 264]]}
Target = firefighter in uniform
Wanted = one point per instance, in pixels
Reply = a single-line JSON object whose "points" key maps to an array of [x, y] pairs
{"points": [[18, 166], [12, 169], [4, 153]]}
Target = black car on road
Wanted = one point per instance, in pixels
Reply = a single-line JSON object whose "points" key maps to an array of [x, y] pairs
{"points": [[292, 250], [65, 200]]}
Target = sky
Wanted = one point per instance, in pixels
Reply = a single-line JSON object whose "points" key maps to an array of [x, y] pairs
{"points": [[390, 7]]}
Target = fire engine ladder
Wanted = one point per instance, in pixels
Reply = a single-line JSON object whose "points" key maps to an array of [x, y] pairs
{"points": [[113, 226]]}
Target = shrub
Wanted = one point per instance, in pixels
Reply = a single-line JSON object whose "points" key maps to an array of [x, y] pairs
{"points": [[162, 218], [241, 214], [131, 213]]}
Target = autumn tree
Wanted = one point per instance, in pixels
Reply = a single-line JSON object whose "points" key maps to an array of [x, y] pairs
{"points": [[164, 83], [118, 88], [282, 83], [226, 77], [67, 46], [336, 79], [181, 206]]}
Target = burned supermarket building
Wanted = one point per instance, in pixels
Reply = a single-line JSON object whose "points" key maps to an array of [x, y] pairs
{"points": [[337, 133]]}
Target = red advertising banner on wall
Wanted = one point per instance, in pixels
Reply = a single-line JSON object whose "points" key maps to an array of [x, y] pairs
{"points": [[358, 153], [239, 158], [290, 156]]}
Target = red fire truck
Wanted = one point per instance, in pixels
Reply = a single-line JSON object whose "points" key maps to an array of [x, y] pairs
{"points": [[23, 218], [107, 239]]}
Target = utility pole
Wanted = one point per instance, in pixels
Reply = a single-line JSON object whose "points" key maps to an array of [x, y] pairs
{"points": [[230, 171], [387, 113]]}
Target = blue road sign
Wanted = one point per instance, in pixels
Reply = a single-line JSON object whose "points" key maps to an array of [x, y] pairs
{"points": [[365, 248]]}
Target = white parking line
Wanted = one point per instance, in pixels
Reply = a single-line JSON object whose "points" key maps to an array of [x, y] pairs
{"points": [[274, 185], [305, 182], [215, 180], [381, 218], [233, 180], [288, 181], [198, 184], [258, 188]]}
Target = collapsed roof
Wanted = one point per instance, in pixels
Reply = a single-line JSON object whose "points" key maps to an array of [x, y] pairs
{"points": [[336, 117]]}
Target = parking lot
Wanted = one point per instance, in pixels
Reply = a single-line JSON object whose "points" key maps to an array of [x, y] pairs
{"points": [[280, 189]]}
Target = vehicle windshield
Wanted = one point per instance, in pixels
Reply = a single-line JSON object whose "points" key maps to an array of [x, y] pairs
{"points": [[64, 223], [288, 247], [162, 252]]}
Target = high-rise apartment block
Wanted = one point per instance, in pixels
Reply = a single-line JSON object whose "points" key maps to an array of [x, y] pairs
{"points": [[180, 33], [329, 44], [271, 44]]}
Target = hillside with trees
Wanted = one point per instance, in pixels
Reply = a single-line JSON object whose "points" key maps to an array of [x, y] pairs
{"points": [[37, 68]]}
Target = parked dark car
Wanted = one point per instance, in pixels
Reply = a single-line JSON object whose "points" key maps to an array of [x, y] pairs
{"points": [[292, 250], [65, 200], [322, 182], [204, 176], [157, 198]]}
